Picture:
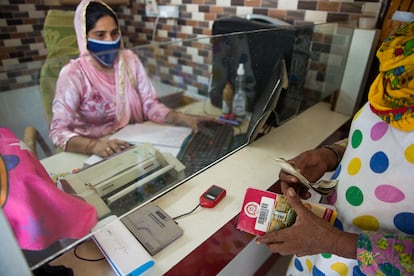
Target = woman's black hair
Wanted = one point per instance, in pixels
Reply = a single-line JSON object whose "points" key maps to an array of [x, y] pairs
{"points": [[96, 10]]}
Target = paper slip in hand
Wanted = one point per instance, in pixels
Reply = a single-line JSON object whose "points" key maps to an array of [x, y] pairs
{"points": [[323, 187], [156, 134]]}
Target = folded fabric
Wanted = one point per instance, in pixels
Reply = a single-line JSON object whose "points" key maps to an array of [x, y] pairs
{"points": [[38, 212]]}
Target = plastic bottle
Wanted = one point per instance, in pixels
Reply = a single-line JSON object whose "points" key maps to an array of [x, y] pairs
{"points": [[240, 100], [228, 95]]}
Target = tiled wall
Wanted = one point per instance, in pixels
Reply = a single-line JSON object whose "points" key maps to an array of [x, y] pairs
{"points": [[22, 21]]}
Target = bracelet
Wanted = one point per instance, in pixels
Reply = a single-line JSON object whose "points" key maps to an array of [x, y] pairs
{"points": [[334, 150], [90, 146], [342, 143]]}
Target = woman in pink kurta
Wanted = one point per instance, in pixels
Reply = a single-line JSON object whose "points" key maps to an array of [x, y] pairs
{"points": [[99, 93]]}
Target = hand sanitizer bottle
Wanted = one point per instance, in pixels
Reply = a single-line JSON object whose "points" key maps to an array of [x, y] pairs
{"points": [[240, 100]]}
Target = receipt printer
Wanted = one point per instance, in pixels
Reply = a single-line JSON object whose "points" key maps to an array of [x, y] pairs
{"points": [[109, 180]]}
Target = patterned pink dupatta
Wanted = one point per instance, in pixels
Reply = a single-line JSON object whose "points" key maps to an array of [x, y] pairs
{"points": [[38, 212]]}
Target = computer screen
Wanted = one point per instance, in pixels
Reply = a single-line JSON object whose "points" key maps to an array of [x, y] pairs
{"points": [[259, 45], [267, 100]]}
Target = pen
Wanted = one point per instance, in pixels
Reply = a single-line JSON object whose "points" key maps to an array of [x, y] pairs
{"points": [[233, 122]]}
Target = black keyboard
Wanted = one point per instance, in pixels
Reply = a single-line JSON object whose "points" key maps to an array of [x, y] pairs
{"points": [[212, 142]]}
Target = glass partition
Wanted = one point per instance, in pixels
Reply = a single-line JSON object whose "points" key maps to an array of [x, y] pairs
{"points": [[289, 70]]}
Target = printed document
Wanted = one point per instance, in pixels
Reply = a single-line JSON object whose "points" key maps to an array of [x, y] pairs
{"points": [[165, 138]]}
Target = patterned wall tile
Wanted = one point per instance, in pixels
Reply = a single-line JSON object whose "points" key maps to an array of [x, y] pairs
{"points": [[270, 4], [351, 7], [236, 3], [295, 16], [371, 8], [282, 14], [337, 17], [21, 24], [252, 3], [287, 4], [328, 6], [316, 16], [307, 5]]}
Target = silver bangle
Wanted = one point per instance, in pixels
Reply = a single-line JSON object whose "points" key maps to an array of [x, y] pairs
{"points": [[334, 150]]}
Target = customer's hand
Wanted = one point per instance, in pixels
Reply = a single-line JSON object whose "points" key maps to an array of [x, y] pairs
{"points": [[311, 164], [110, 147], [307, 236]]}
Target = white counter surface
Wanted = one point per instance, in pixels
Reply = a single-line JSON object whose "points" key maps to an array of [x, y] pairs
{"points": [[251, 166]]}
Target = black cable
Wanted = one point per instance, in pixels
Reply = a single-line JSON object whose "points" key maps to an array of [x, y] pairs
{"points": [[177, 217], [82, 258]]}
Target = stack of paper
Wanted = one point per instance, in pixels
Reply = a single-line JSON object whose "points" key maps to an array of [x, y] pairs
{"points": [[166, 138]]}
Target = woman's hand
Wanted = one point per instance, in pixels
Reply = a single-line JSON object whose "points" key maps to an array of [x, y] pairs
{"points": [[109, 147], [311, 164], [309, 235], [102, 147]]}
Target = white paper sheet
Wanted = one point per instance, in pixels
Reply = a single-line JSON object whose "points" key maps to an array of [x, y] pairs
{"points": [[165, 138], [155, 134]]}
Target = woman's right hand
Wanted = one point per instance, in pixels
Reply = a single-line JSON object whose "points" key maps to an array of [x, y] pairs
{"points": [[311, 164], [110, 147]]}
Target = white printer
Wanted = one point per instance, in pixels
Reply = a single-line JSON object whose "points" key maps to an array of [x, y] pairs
{"points": [[109, 180]]}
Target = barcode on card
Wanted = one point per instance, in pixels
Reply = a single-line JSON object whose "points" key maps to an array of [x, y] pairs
{"points": [[265, 211]]}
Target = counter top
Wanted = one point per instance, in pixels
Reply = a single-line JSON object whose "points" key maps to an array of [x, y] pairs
{"points": [[251, 166]]}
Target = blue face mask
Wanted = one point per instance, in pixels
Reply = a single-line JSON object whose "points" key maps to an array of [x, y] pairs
{"points": [[104, 51]]}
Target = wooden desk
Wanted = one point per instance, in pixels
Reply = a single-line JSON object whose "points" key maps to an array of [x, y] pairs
{"points": [[251, 166]]}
